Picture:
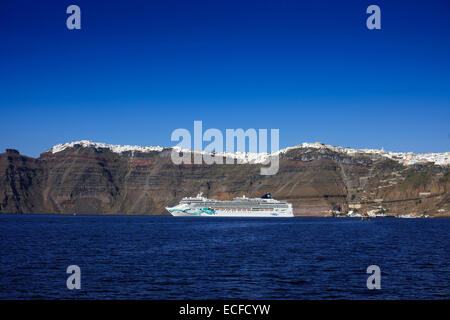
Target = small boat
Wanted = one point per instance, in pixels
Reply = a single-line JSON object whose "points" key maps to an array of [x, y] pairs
{"points": [[407, 216]]}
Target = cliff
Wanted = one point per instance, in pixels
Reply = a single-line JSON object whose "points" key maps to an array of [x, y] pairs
{"points": [[97, 179]]}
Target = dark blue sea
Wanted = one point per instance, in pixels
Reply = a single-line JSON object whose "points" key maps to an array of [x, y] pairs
{"points": [[151, 257]]}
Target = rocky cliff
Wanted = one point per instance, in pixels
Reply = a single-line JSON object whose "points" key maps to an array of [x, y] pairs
{"points": [[96, 179]]}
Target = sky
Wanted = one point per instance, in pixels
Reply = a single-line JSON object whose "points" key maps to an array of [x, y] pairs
{"points": [[138, 70]]}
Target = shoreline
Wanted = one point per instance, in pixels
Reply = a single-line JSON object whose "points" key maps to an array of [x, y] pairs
{"points": [[167, 215]]}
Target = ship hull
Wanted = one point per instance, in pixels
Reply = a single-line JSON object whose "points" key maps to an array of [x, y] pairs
{"points": [[239, 207], [186, 212]]}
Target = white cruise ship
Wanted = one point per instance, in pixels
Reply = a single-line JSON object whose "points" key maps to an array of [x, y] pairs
{"points": [[238, 207]]}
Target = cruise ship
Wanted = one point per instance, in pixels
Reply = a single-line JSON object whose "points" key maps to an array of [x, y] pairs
{"points": [[238, 207]]}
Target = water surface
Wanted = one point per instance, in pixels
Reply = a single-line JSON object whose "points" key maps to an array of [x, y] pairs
{"points": [[151, 257]]}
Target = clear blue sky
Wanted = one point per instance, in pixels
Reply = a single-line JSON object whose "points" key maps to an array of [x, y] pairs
{"points": [[137, 70]]}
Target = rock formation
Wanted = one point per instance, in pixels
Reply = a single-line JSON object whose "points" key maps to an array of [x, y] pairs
{"points": [[97, 179]]}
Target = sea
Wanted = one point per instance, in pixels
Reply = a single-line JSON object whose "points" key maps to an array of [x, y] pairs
{"points": [[162, 257]]}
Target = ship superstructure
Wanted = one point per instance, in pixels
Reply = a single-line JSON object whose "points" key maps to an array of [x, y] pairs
{"points": [[238, 207]]}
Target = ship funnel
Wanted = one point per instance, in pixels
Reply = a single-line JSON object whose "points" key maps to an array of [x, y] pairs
{"points": [[266, 196]]}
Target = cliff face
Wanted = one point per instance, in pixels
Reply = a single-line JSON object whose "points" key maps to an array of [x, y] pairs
{"points": [[98, 181]]}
